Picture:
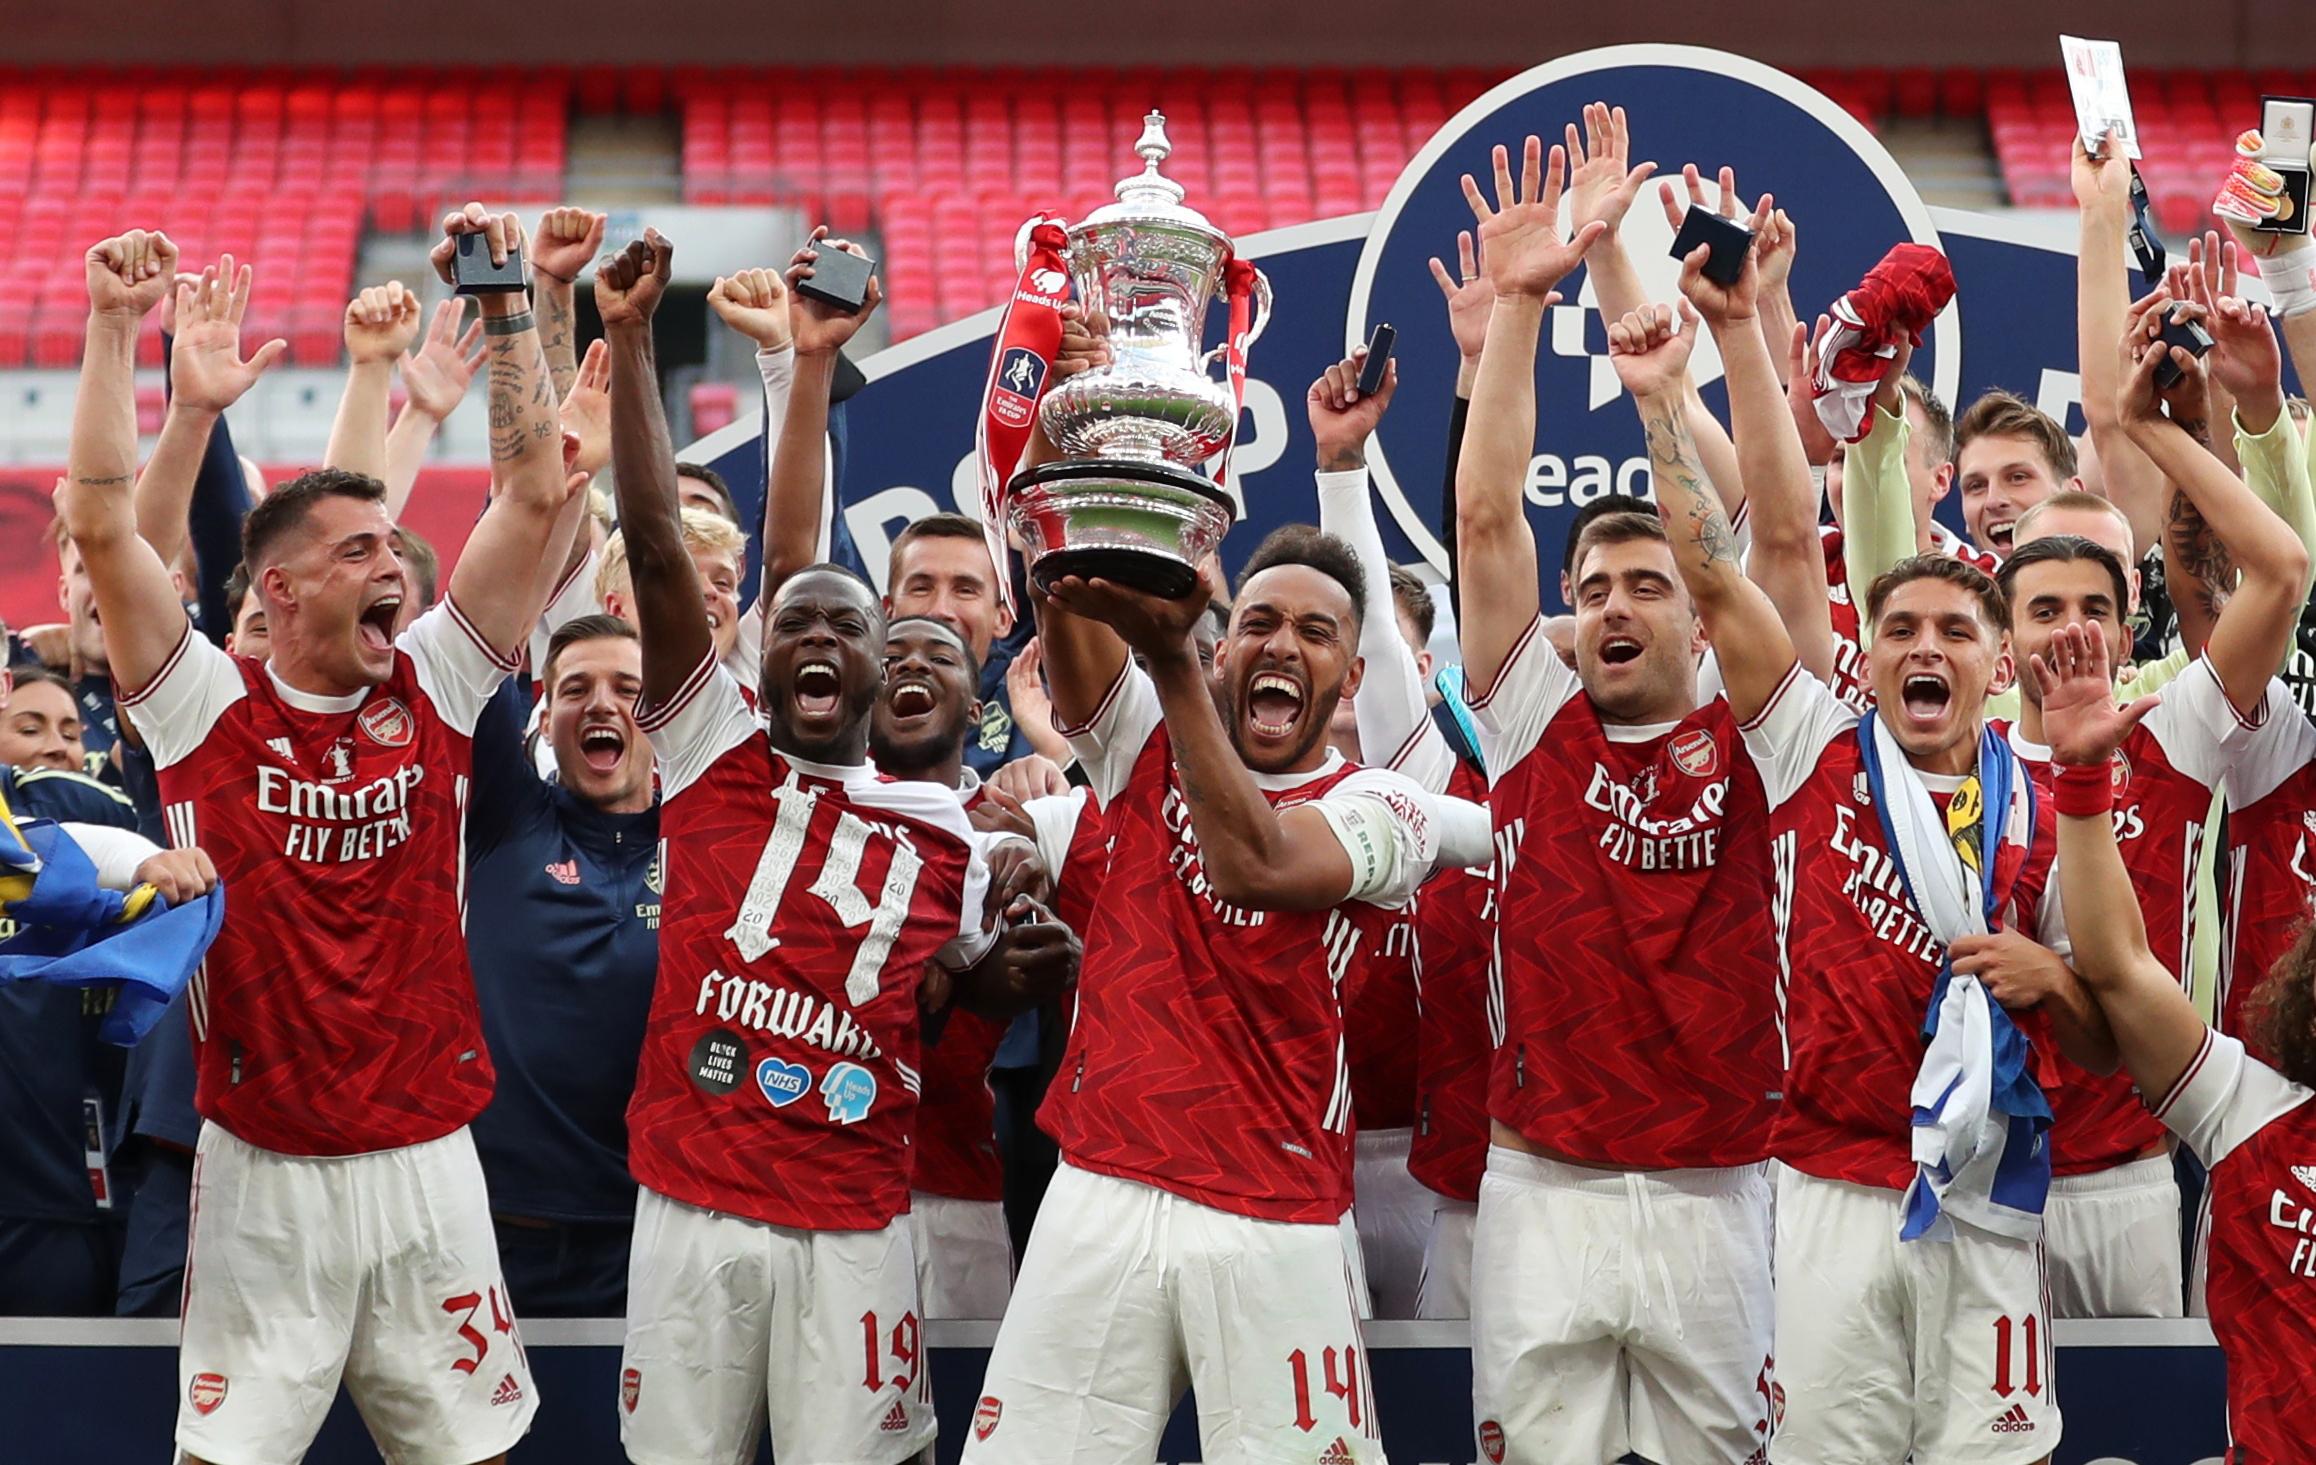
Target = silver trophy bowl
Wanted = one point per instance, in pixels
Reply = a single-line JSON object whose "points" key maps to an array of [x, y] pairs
{"points": [[1124, 502]]}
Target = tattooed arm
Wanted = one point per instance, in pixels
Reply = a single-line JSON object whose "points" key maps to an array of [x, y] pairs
{"points": [[497, 579], [1650, 350], [567, 243]]}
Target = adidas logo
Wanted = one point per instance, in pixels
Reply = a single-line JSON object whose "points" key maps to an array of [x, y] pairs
{"points": [[896, 1419], [2014, 1421], [508, 1392], [2305, 1174], [1338, 1453]]}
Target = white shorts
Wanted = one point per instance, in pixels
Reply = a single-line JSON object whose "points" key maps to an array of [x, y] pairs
{"points": [[1130, 1293], [2113, 1238], [964, 1255], [1942, 1348], [1620, 1310], [1355, 1266], [1446, 1289], [1394, 1210], [380, 1269], [731, 1321]]}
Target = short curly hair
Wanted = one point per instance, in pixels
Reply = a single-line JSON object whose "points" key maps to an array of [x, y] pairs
{"points": [[2281, 1015]]}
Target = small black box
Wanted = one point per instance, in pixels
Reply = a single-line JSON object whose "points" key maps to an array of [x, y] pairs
{"points": [[1730, 240], [472, 272], [839, 278], [2179, 331], [1378, 361]]}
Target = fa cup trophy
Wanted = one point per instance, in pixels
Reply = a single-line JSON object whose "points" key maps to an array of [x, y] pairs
{"points": [[1124, 501]]}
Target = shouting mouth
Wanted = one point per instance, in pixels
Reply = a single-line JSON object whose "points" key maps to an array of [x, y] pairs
{"points": [[1620, 651], [818, 689], [1274, 705], [602, 746], [912, 700], [375, 626], [1998, 536], [1925, 698]]}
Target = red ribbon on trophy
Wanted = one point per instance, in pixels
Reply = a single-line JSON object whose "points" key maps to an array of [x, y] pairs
{"points": [[1020, 365], [1238, 287]]}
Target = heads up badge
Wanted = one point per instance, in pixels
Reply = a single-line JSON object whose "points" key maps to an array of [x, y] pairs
{"points": [[849, 1090]]}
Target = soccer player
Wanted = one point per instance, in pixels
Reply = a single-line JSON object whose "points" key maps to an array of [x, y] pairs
{"points": [[1399, 986], [341, 1226], [803, 897], [1620, 1269], [1938, 1345], [2248, 1119], [2113, 1217], [1203, 1097], [569, 870]]}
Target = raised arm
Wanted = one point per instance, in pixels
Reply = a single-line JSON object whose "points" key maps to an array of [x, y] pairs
{"points": [[567, 242], [1471, 298], [792, 493], [2245, 362], [1878, 524], [669, 610], [435, 379], [2248, 642], [1083, 658], [755, 303], [2102, 300], [2155, 1026], [381, 322], [136, 599], [1650, 350], [497, 575], [1525, 257], [206, 376], [1785, 558]]}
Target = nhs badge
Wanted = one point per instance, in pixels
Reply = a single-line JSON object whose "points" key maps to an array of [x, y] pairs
{"points": [[1020, 377], [782, 1082], [849, 1090]]}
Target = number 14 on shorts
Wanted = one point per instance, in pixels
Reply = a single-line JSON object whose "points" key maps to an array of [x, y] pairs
{"points": [[1341, 1374]]}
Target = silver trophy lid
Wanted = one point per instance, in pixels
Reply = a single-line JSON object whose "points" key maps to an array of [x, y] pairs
{"points": [[1149, 194]]}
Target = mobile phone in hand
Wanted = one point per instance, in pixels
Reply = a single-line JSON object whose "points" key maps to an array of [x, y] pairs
{"points": [[1371, 372]]}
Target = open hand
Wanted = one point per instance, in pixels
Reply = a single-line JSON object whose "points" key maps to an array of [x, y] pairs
{"points": [[2081, 720], [755, 303], [630, 284], [437, 377], [587, 413], [2244, 357], [206, 372], [1519, 239], [1600, 186], [1470, 296], [1157, 627], [1721, 305]]}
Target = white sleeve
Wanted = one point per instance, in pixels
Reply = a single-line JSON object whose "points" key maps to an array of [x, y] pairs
{"points": [[572, 599], [1792, 730], [971, 943], [778, 369], [1108, 743], [457, 669], [116, 853], [1393, 707], [1391, 831], [2224, 1097], [746, 663], [1531, 687], [2206, 738], [2051, 920], [174, 711], [704, 720], [1055, 817]]}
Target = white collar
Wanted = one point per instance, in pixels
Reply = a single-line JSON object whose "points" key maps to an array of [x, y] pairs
{"points": [[1279, 783], [314, 701]]}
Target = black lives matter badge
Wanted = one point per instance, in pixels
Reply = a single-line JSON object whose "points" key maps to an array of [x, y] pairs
{"points": [[719, 1061]]}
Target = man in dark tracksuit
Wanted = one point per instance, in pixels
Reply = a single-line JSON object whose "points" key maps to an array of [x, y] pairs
{"points": [[563, 895], [59, 1218]]}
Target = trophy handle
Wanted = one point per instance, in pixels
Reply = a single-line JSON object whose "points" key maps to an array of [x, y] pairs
{"points": [[1254, 331]]}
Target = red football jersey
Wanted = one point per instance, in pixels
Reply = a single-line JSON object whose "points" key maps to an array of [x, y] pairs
{"points": [[779, 1076], [2271, 848], [336, 1013], [957, 1115], [1851, 682], [2164, 775], [1380, 1009], [1207, 1058], [2256, 1130], [1634, 992], [1858, 961], [1455, 939]]}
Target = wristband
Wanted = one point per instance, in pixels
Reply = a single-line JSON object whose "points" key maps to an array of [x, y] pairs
{"points": [[509, 325], [2291, 279], [2082, 790], [550, 274]]}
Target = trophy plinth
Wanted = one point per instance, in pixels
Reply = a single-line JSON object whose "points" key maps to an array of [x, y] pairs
{"points": [[1124, 502]]}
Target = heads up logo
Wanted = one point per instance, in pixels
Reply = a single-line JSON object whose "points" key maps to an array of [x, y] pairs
{"points": [[1847, 197]]}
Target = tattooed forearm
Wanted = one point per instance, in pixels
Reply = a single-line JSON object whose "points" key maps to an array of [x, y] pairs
{"points": [[2197, 425], [110, 480], [2195, 552], [1690, 509], [558, 336]]}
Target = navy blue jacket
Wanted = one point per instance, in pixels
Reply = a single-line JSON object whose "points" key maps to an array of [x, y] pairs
{"points": [[563, 932]]}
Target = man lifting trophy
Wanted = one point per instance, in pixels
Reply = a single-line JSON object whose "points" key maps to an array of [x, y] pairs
{"points": [[1125, 501]]}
